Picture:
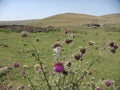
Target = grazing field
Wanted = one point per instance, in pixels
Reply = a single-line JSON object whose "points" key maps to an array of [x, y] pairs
{"points": [[15, 49]]}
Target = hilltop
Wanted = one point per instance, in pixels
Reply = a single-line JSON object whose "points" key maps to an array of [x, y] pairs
{"points": [[69, 19]]}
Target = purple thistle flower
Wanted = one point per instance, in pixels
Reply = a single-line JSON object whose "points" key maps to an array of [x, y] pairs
{"points": [[68, 41], [56, 45], [90, 72], [65, 72], [115, 46], [83, 50], [78, 56], [16, 65], [108, 83], [111, 44], [58, 67], [65, 31]]}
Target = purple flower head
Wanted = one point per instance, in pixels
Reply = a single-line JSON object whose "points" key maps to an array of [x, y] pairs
{"points": [[111, 44], [98, 88], [78, 56], [56, 45], [68, 41], [115, 46], [83, 50], [65, 31], [90, 72], [16, 65], [58, 67], [108, 83], [65, 72]]}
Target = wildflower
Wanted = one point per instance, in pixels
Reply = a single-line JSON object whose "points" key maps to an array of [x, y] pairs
{"points": [[90, 72], [115, 46], [78, 56], [23, 72], [57, 50], [98, 88], [24, 34], [111, 43], [68, 41], [83, 50], [56, 45], [108, 82], [58, 67], [65, 72], [91, 43], [25, 66], [68, 63], [15, 65], [65, 31]]}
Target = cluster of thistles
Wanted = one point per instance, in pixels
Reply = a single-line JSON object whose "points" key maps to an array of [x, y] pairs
{"points": [[113, 46], [79, 56], [109, 82]]}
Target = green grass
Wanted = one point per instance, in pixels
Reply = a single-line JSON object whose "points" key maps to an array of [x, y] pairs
{"points": [[17, 52]]}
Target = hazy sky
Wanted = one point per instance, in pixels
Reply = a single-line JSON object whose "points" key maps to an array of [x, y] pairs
{"points": [[37, 9]]}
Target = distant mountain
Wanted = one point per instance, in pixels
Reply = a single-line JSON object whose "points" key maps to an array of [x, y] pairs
{"points": [[68, 19]]}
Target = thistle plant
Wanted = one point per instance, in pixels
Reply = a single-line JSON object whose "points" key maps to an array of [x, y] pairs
{"points": [[73, 71]]}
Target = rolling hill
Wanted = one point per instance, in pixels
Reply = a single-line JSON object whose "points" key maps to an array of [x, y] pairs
{"points": [[69, 19]]}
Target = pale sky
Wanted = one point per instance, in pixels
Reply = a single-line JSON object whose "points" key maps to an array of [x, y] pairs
{"points": [[37, 9]]}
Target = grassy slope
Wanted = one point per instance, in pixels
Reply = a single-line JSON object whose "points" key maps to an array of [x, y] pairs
{"points": [[110, 19], [65, 19]]}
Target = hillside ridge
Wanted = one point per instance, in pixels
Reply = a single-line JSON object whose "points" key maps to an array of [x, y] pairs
{"points": [[68, 19]]}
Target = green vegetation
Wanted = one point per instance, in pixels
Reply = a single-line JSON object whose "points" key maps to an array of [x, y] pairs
{"points": [[19, 61], [14, 48]]}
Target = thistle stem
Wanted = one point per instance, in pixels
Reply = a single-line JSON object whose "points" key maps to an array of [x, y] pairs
{"points": [[37, 57]]}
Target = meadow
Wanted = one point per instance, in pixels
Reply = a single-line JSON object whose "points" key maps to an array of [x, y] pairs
{"points": [[22, 50]]}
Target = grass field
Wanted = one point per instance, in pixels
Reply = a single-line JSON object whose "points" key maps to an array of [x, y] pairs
{"points": [[14, 48]]}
